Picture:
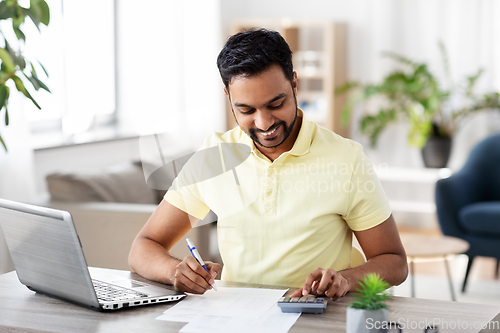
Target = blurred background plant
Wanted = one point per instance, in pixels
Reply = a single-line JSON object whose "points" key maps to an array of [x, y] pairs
{"points": [[414, 94], [16, 70]]}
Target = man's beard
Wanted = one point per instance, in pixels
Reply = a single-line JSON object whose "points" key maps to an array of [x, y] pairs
{"points": [[288, 131]]}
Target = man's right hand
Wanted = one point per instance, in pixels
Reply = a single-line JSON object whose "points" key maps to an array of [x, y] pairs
{"points": [[191, 277]]}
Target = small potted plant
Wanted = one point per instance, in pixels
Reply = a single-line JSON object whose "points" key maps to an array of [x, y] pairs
{"points": [[368, 312]]}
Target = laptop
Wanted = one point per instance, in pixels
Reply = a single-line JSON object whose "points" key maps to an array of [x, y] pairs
{"points": [[48, 257]]}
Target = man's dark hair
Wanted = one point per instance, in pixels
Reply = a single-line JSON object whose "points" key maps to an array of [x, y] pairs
{"points": [[253, 51]]}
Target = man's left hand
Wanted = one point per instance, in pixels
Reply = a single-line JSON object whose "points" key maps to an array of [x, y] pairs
{"points": [[324, 282]]}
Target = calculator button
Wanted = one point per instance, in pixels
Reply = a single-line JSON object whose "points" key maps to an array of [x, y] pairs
{"points": [[311, 300], [319, 300], [282, 299], [286, 299], [295, 299], [303, 299]]}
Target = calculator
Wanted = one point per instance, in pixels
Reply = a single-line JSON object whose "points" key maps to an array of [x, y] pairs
{"points": [[302, 304]]}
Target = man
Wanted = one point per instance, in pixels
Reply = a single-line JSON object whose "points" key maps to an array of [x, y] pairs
{"points": [[312, 189]]}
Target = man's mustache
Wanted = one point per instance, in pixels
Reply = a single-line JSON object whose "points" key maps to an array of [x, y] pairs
{"points": [[255, 130]]}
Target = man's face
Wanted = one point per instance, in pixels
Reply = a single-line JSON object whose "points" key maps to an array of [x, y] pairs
{"points": [[265, 106]]}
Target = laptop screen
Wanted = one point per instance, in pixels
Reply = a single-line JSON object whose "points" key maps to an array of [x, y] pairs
{"points": [[46, 251]]}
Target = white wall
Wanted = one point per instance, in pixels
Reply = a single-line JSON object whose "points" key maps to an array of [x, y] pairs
{"points": [[412, 28]]}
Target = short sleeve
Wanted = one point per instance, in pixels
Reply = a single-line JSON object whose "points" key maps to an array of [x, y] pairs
{"points": [[185, 192], [188, 203], [367, 205]]}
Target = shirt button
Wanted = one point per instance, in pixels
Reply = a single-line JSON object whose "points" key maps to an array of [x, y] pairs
{"points": [[272, 170], [270, 192]]}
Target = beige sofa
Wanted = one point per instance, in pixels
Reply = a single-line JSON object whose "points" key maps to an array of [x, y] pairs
{"points": [[110, 206]]}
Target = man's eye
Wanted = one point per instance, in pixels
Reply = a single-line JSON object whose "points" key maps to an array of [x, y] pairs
{"points": [[246, 111], [274, 107]]}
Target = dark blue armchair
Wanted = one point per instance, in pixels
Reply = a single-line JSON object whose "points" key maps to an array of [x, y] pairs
{"points": [[468, 202]]}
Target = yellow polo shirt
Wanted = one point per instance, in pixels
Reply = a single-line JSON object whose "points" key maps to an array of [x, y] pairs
{"points": [[279, 221]]}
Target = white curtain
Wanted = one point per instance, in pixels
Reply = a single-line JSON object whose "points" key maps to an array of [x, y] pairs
{"points": [[167, 74]]}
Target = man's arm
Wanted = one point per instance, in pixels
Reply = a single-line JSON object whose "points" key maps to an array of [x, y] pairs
{"points": [[149, 255], [385, 256]]}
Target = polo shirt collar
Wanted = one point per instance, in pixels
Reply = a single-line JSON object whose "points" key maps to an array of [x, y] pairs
{"points": [[302, 143], [304, 139]]}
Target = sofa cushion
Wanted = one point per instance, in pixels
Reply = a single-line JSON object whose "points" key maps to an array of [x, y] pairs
{"points": [[481, 218], [118, 183]]}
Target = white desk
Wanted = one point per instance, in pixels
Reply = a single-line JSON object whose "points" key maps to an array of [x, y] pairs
{"points": [[22, 310]]}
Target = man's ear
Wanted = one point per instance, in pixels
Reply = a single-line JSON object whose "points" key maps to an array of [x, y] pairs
{"points": [[295, 82]]}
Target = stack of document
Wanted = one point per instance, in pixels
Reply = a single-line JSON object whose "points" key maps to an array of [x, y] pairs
{"points": [[232, 310]]}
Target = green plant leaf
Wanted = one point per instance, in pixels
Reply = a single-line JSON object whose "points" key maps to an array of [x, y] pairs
{"points": [[7, 62], [34, 18], [33, 81], [19, 34], [372, 125], [20, 87], [18, 59], [3, 143], [346, 88], [471, 82], [371, 295], [37, 83], [43, 68], [7, 120], [41, 10], [4, 93], [45, 19], [33, 71], [41, 84], [19, 16], [6, 10]]}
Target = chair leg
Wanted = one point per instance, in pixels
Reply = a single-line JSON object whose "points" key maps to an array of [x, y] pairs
{"points": [[498, 266], [469, 265]]}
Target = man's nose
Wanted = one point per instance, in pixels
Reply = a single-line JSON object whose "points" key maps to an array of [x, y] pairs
{"points": [[263, 120]]}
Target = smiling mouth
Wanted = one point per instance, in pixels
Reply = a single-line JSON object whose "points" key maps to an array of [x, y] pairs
{"points": [[267, 134]]}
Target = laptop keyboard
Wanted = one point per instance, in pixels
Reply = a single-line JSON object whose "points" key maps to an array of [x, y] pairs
{"points": [[109, 292]]}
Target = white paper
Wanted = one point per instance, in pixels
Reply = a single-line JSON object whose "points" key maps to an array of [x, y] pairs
{"points": [[273, 321], [232, 310], [227, 302]]}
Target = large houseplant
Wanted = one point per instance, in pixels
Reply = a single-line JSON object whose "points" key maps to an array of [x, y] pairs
{"points": [[15, 69], [369, 311], [413, 93]]}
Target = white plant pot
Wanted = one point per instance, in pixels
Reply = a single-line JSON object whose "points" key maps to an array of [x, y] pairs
{"points": [[366, 321]]}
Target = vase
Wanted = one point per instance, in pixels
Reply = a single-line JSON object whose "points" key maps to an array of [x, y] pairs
{"points": [[366, 321], [436, 152]]}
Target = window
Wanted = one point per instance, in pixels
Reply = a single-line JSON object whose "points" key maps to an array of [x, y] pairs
{"points": [[78, 51]]}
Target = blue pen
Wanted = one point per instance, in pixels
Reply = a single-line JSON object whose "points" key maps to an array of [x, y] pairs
{"points": [[197, 256]]}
